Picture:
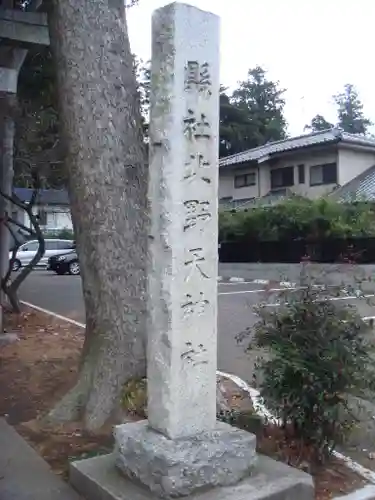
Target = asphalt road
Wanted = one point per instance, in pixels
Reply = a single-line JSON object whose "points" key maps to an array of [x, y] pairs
{"points": [[63, 295]]}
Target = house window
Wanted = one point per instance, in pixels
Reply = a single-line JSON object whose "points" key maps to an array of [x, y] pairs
{"points": [[52, 218], [244, 180], [323, 174], [282, 177], [301, 174]]}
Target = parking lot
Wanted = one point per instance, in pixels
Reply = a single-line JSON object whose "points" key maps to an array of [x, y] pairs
{"points": [[241, 288]]}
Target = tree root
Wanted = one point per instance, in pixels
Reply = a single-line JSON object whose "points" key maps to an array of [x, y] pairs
{"points": [[96, 397], [71, 407]]}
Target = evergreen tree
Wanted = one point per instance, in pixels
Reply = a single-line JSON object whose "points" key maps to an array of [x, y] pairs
{"points": [[350, 113], [234, 126], [318, 123], [263, 102], [251, 116]]}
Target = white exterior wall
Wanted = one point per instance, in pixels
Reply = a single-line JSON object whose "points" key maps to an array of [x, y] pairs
{"points": [[57, 219], [353, 162], [226, 184], [58, 216], [309, 160], [263, 185]]}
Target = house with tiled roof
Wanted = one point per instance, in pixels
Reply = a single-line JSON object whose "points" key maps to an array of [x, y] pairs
{"points": [[310, 165], [52, 206]]}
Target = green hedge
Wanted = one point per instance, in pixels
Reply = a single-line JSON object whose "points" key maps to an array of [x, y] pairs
{"points": [[299, 218], [62, 234]]}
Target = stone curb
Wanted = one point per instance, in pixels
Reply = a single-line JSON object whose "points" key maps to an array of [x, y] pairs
{"points": [[24, 473], [366, 493], [55, 315], [237, 279]]}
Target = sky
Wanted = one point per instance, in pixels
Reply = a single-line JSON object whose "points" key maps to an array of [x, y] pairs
{"points": [[312, 47]]}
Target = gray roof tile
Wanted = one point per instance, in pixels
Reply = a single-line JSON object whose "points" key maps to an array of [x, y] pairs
{"points": [[360, 188], [45, 196], [326, 136], [271, 198]]}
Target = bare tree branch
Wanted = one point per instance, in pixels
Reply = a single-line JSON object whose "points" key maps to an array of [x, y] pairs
{"points": [[11, 289], [23, 160], [34, 4], [36, 182], [14, 199], [20, 225], [6, 278], [12, 232]]}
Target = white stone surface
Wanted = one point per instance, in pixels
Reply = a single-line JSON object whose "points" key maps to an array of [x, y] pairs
{"points": [[183, 189], [366, 493]]}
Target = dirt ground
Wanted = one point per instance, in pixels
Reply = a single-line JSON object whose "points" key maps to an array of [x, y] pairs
{"points": [[37, 371], [332, 479]]}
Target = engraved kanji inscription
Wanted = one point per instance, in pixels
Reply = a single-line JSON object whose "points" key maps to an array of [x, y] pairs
{"points": [[197, 167], [195, 262], [194, 305], [205, 78], [197, 76], [197, 213], [192, 70], [196, 355], [196, 126]]}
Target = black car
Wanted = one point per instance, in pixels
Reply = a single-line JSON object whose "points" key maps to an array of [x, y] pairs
{"points": [[65, 263]]}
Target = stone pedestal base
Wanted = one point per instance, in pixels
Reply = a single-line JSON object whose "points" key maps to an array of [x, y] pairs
{"points": [[181, 467], [98, 479]]}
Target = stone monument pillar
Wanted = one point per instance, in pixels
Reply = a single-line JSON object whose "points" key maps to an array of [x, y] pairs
{"points": [[183, 193], [182, 448]]}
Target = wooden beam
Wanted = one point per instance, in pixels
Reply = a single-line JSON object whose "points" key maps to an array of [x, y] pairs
{"points": [[23, 29]]}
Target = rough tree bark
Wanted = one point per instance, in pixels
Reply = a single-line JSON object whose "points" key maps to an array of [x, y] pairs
{"points": [[7, 132], [105, 160]]}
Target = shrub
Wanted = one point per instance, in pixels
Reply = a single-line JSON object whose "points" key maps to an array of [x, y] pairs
{"points": [[65, 234], [319, 355], [61, 234], [299, 218]]}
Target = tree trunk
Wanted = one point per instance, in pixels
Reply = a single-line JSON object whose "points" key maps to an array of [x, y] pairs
{"points": [[105, 160], [7, 132]]}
